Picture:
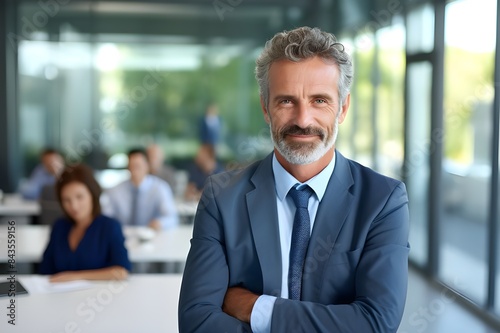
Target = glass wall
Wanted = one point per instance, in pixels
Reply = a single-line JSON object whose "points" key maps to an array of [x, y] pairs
{"points": [[373, 131], [390, 99], [420, 29], [419, 87], [361, 104], [466, 174], [419, 42], [97, 95], [345, 140]]}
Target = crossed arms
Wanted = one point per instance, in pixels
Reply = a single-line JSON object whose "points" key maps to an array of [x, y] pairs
{"points": [[218, 292]]}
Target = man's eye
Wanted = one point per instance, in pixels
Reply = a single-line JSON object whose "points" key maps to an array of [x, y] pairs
{"points": [[286, 101], [320, 100]]}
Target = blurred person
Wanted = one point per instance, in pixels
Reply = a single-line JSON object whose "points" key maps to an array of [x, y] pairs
{"points": [[305, 240], [211, 126], [142, 200], [204, 165], [45, 173], [84, 244], [158, 167]]}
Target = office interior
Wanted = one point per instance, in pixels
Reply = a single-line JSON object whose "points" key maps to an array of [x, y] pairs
{"points": [[94, 78]]}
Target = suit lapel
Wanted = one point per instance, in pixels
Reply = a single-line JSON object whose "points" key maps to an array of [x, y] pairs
{"points": [[331, 216], [262, 211]]}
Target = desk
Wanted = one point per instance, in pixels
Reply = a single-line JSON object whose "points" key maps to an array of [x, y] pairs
{"points": [[171, 245], [186, 210], [15, 205], [143, 303]]}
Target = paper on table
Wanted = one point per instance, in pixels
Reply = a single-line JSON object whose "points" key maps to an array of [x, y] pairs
{"points": [[41, 285]]}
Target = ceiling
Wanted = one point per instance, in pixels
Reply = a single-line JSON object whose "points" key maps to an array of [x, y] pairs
{"points": [[204, 20]]}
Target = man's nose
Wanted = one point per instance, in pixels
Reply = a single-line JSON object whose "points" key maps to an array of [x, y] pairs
{"points": [[302, 115]]}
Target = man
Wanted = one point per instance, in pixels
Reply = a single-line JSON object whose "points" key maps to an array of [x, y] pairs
{"points": [[304, 240], [144, 200], [205, 164], [210, 126], [44, 174], [158, 167]]}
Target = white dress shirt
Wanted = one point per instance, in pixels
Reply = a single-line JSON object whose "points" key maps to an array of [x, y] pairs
{"points": [[155, 202], [260, 319]]}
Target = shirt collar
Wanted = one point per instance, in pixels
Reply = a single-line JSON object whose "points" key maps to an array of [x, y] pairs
{"points": [[285, 181], [144, 184]]}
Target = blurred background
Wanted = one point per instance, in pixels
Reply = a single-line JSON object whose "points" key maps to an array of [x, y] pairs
{"points": [[94, 78]]}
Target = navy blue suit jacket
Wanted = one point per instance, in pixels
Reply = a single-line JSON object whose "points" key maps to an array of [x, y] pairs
{"points": [[356, 271]]}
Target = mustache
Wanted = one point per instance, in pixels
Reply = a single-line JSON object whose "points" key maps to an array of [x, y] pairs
{"points": [[297, 130]]}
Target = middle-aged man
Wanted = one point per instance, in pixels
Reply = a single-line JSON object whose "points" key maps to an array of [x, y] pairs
{"points": [[144, 199], [305, 240]]}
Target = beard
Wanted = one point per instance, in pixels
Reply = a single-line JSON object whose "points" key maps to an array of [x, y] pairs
{"points": [[303, 153]]}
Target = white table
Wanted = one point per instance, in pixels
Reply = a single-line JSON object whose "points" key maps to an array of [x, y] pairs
{"points": [[167, 246], [15, 205], [143, 303], [186, 210], [171, 245]]}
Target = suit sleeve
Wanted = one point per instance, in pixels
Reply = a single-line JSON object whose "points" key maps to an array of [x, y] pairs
{"points": [[381, 282], [206, 275]]}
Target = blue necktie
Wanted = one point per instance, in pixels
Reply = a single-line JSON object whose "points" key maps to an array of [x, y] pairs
{"points": [[300, 240]]}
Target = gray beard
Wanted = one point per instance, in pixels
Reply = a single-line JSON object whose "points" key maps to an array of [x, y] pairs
{"points": [[304, 153]]}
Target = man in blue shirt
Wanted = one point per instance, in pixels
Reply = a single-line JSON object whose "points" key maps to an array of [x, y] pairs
{"points": [[144, 199], [44, 174]]}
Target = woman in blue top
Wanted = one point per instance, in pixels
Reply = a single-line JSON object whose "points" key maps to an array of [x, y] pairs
{"points": [[84, 244]]}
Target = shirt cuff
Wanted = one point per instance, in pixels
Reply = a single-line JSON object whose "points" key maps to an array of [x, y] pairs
{"points": [[262, 313]]}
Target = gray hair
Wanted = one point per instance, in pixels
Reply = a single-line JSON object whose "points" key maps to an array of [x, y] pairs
{"points": [[299, 44]]}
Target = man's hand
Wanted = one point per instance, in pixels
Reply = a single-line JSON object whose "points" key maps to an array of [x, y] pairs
{"points": [[239, 302], [155, 225]]}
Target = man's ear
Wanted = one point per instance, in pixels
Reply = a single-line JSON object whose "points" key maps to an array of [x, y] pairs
{"points": [[344, 108], [264, 110]]}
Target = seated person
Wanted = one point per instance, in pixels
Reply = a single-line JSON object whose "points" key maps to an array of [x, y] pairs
{"points": [[205, 164], [158, 167], [85, 244], [144, 199], [44, 174]]}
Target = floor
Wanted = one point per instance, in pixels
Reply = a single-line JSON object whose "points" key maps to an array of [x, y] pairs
{"points": [[430, 309]]}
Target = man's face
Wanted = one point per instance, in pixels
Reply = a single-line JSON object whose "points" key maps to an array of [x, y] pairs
{"points": [[138, 167], [304, 108], [155, 156], [53, 163]]}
